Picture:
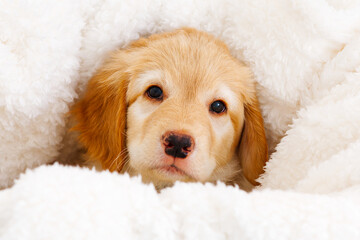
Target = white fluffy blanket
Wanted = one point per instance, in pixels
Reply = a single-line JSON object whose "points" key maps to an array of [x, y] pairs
{"points": [[306, 59]]}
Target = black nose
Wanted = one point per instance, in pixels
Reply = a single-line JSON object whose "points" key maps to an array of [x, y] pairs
{"points": [[178, 145]]}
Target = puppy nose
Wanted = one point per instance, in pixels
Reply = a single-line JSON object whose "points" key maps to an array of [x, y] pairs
{"points": [[177, 145]]}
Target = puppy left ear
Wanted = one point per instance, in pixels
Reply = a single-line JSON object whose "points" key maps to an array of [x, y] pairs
{"points": [[253, 150], [101, 115]]}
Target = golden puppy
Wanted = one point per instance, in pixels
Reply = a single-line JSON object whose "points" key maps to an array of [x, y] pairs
{"points": [[174, 106]]}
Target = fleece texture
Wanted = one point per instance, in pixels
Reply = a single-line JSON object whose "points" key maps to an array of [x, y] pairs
{"points": [[305, 56], [70, 203]]}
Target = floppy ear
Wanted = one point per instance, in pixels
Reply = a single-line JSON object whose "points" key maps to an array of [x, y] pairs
{"points": [[101, 116], [253, 149]]}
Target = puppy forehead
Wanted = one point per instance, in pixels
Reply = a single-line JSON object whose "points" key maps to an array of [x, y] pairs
{"points": [[190, 64]]}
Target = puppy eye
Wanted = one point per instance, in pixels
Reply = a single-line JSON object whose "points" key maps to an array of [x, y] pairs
{"points": [[218, 107], [155, 92]]}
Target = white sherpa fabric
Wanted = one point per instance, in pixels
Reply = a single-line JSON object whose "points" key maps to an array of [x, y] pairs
{"points": [[71, 203], [305, 56]]}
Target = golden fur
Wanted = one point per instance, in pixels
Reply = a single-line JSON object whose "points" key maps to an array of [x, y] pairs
{"points": [[122, 128]]}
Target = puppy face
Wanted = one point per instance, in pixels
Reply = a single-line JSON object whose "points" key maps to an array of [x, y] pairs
{"points": [[175, 106], [185, 110]]}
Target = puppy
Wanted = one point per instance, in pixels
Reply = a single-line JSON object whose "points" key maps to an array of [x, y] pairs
{"points": [[174, 107]]}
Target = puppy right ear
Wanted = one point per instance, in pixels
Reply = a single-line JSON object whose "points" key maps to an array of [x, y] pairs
{"points": [[101, 115], [253, 146]]}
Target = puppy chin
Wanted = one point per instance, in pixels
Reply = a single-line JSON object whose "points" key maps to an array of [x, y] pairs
{"points": [[165, 176]]}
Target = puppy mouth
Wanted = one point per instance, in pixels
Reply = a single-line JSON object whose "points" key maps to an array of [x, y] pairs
{"points": [[173, 171]]}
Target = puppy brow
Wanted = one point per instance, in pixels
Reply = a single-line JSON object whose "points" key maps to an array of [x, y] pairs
{"points": [[225, 93], [149, 76], [143, 80]]}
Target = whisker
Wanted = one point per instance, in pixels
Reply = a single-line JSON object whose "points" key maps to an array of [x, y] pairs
{"points": [[116, 160], [126, 165]]}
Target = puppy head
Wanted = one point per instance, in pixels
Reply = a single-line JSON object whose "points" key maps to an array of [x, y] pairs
{"points": [[174, 106]]}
